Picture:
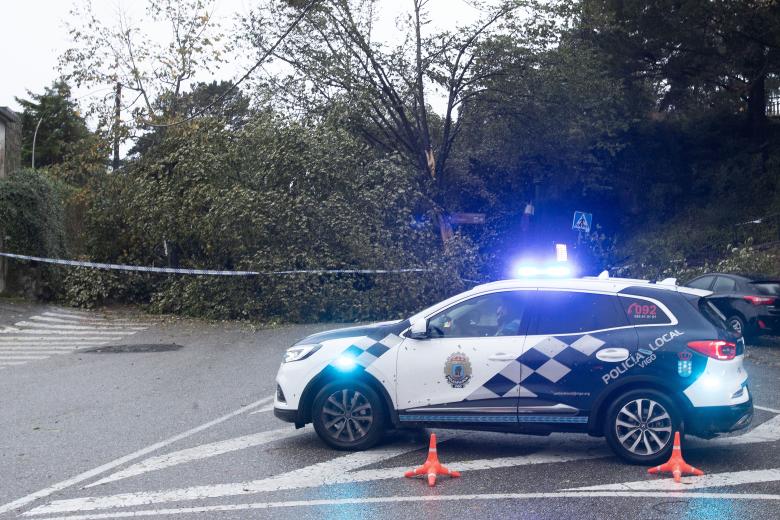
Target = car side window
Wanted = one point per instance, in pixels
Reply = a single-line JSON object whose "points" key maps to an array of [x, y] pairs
{"points": [[643, 312], [565, 312], [702, 283], [494, 314], [724, 285]]}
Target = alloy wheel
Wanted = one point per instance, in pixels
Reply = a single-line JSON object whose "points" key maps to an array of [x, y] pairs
{"points": [[736, 325], [643, 427], [347, 415]]}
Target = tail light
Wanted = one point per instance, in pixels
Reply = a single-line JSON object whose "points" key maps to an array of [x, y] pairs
{"points": [[715, 348], [760, 300]]}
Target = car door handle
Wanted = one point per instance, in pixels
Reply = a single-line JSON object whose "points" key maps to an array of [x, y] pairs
{"points": [[501, 356], [613, 355]]}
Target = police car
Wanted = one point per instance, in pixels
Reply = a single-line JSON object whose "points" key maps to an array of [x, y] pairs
{"points": [[630, 360]]}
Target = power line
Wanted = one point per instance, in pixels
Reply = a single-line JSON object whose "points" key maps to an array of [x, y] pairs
{"points": [[246, 75]]}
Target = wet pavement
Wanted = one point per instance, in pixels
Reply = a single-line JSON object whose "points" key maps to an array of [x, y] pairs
{"points": [[172, 418]]}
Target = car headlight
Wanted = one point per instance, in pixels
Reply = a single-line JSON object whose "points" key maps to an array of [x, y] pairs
{"points": [[299, 352]]}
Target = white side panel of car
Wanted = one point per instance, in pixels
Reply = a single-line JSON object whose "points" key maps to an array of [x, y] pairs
{"points": [[719, 384], [423, 368]]}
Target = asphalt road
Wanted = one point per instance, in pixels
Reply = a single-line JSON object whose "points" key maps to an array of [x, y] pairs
{"points": [[117, 415]]}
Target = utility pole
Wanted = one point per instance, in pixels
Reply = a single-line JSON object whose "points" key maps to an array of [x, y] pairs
{"points": [[117, 121]]}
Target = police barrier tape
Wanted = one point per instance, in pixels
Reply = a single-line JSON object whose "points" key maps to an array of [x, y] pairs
{"points": [[212, 272]]}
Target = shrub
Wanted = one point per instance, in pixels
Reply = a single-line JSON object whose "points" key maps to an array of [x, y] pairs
{"points": [[32, 219]]}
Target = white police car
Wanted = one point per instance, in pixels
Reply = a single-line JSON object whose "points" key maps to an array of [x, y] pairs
{"points": [[631, 360]]}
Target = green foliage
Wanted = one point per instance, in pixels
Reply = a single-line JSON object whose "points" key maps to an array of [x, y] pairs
{"points": [[740, 259], [31, 213], [274, 195], [85, 287], [32, 221], [59, 126]]}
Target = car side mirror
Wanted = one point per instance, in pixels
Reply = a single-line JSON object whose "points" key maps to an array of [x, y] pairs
{"points": [[419, 329]]}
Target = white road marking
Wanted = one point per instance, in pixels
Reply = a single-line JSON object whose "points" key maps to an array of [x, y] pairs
{"points": [[269, 408], [12, 363], [335, 471], [56, 340], [65, 312], [764, 408], [49, 326], [88, 334], [72, 334], [731, 478], [201, 452], [309, 476], [127, 458], [65, 321], [411, 499], [48, 352], [9, 357], [37, 348]]}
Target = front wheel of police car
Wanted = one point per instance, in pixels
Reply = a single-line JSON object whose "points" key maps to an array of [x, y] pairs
{"points": [[348, 415], [640, 427]]}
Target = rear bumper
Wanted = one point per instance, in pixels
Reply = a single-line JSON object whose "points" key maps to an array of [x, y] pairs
{"points": [[710, 421], [766, 324]]}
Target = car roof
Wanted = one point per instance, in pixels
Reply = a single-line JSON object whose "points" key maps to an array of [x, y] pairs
{"points": [[613, 285], [745, 277], [599, 284]]}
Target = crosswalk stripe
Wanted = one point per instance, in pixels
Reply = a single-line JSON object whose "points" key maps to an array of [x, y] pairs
{"points": [[71, 332], [51, 339], [74, 316], [36, 346], [45, 326], [74, 312], [47, 319], [41, 351]]}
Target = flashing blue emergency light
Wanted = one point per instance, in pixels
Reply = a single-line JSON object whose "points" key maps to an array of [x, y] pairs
{"points": [[345, 363], [557, 270]]}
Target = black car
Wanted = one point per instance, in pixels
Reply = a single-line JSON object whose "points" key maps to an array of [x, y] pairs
{"points": [[751, 304]]}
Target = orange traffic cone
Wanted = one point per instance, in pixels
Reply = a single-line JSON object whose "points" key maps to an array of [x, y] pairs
{"points": [[432, 466], [676, 465]]}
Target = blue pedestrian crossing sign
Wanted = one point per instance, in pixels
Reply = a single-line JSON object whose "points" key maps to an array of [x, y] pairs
{"points": [[582, 221]]}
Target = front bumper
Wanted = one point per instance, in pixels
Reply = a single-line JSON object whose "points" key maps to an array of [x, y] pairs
{"points": [[710, 421], [290, 416]]}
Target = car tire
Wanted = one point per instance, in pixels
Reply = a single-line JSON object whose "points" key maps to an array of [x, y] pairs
{"points": [[737, 324], [348, 415], [640, 426]]}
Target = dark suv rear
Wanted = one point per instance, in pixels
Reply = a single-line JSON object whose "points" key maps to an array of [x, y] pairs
{"points": [[751, 304]]}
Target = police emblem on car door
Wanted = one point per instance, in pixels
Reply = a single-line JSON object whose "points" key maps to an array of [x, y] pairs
{"points": [[464, 367]]}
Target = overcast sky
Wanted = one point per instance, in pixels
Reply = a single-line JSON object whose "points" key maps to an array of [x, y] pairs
{"points": [[33, 35]]}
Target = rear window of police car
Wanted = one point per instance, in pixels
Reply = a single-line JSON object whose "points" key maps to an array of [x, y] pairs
{"points": [[566, 312]]}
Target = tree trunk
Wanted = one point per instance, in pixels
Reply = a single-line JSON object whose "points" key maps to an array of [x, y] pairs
{"points": [[756, 110]]}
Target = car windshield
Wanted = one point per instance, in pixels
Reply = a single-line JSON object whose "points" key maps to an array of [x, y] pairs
{"points": [[768, 288]]}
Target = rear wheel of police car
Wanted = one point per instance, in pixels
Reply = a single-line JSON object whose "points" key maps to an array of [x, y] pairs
{"points": [[640, 426], [348, 415]]}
